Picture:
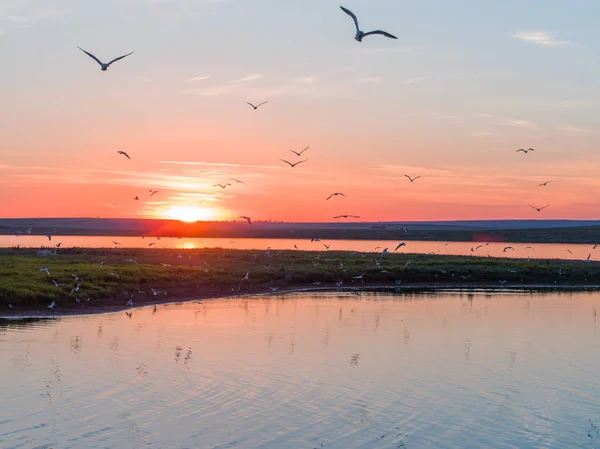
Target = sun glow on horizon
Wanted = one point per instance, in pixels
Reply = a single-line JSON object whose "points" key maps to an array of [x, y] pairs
{"points": [[190, 214]]}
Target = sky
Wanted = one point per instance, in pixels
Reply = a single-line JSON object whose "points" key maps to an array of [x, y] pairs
{"points": [[466, 84]]}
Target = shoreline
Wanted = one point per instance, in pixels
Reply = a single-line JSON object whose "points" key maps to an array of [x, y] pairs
{"points": [[24, 313]]}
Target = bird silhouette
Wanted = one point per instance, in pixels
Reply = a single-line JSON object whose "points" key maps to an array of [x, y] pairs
{"points": [[539, 209], [124, 154], [104, 66], [412, 179], [294, 164], [300, 153], [360, 35], [258, 105], [335, 194], [525, 151]]}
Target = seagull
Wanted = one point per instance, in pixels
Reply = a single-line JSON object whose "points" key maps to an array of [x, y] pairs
{"points": [[326, 246], [57, 284], [102, 64], [245, 278], [293, 165], [507, 248], [116, 243], [539, 208], [137, 198], [58, 244], [248, 219], [52, 304], [570, 252], [588, 258], [49, 237], [347, 216], [45, 270], [412, 179], [223, 186], [360, 277], [544, 183], [299, 154], [530, 247], [335, 194], [152, 192], [525, 151], [237, 180], [360, 34], [400, 245], [124, 154], [258, 105]]}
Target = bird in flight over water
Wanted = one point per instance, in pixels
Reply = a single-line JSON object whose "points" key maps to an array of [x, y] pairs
{"points": [[347, 216], [248, 219], [525, 151], [124, 154], [103, 65], [360, 34], [335, 194], [412, 179], [293, 165], [539, 209], [258, 105], [299, 154]]}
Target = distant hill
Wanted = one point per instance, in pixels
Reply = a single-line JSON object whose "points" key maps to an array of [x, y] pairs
{"points": [[564, 231]]}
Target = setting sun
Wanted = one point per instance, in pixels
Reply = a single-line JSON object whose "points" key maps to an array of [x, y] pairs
{"points": [[189, 214]]}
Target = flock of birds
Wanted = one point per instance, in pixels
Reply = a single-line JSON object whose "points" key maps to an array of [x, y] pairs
{"points": [[359, 36]]}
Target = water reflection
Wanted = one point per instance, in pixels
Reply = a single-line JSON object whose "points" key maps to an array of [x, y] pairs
{"points": [[493, 249], [332, 371]]}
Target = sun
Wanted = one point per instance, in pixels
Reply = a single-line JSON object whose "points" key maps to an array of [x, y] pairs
{"points": [[189, 214]]}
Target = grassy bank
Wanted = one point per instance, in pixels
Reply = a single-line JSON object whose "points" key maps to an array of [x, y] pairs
{"points": [[112, 277]]}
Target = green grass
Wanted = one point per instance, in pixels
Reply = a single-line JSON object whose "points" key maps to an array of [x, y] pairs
{"points": [[206, 272]]}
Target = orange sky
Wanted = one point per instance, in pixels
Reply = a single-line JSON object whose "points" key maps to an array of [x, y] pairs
{"points": [[433, 104]]}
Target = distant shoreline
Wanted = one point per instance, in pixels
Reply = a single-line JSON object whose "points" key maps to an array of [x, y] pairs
{"points": [[400, 290]]}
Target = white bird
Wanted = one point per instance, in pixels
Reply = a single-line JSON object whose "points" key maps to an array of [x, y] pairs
{"points": [[412, 179], [385, 251], [130, 303], [300, 153], [360, 277], [539, 209], [103, 65], [75, 289], [45, 270], [124, 154], [245, 278], [57, 284], [339, 283], [360, 34], [258, 105], [525, 151], [52, 304], [293, 165], [400, 245], [335, 194], [248, 219]]}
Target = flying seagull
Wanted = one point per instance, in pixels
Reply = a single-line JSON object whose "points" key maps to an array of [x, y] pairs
{"points": [[347, 216], [153, 192], [539, 208], [293, 165], [544, 183], [248, 219], [335, 194], [223, 186], [137, 198], [237, 180], [360, 34], [300, 153], [124, 154], [258, 105], [400, 245], [525, 151], [412, 179], [102, 64], [507, 248]]}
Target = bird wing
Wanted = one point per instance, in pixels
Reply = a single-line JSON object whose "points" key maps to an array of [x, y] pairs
{"points": [[383, 33], [296, 153], [351, 14], [521, 149], [252, 105], [90, 55], [152, 194], [119, 58], [545, 207], [409, 177], [303, 151], [299, 162], [329, 197], [339, 216], [260, 104], [291, 165]]}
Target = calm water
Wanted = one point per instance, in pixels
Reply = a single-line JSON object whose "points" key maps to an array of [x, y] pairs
{"points": [[521, 250], [508, 370]]}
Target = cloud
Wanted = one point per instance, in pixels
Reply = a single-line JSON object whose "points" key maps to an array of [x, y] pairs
{"points": [[421, 79], [198, 78], [307, 79], [253, 77], [540, 38], [517, 123]]}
